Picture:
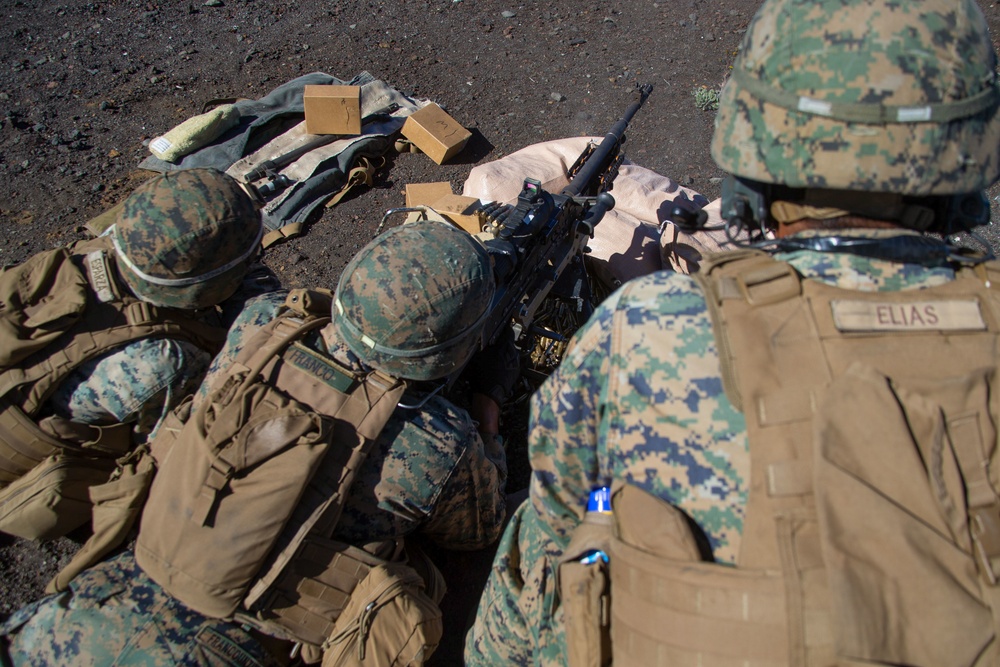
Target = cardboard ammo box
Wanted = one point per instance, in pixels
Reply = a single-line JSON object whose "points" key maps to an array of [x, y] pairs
{"points": [[332, 109], [462, 211], [435, 133], [425, 194]]}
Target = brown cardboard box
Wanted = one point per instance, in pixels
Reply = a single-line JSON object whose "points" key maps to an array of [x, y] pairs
{"points": [[435, 133], [464, 212], [425, 194], [332, 109]]}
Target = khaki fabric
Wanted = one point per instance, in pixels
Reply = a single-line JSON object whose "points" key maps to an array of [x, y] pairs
{"points": [[584, 591], [628, 242], [52, 498], [115, 507], [392, 619], [872, 530], [239, 517], [60, 309], [856, 575]]}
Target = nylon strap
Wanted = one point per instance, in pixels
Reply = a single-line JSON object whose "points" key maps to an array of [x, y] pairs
{"points": [[872, 114]]}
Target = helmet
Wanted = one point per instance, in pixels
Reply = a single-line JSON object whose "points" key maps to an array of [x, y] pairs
{"points": [[184, 239], [413, 301], [871, 95]]}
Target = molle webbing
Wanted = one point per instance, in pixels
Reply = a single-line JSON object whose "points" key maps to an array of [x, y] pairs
{"points": [[272, 553], [309, 577], [104, 325], [782, 341]]}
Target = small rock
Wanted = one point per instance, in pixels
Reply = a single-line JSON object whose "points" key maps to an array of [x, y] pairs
{"points": [[577, 41], [709, 37], [557, 97], [97, 187], [213, 3], [507, 14]]}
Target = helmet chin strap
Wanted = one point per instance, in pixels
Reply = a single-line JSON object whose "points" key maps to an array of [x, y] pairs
{"points": [[750, 208], [752, 205]]}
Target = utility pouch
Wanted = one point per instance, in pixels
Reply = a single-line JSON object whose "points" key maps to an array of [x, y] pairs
{"points": [[584, 585], [313, 590], [53, 498], [116, 505], [22, 444], [224, 492], [670, 606], [390, 621], [909, 528]]}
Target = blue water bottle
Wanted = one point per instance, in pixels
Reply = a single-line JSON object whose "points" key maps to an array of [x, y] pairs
{"points": [[598, 511]]}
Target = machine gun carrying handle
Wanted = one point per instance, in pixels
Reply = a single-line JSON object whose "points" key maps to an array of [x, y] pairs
{"points": [[605, 202]]}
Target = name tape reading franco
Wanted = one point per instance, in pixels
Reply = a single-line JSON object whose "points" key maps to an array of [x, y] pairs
{"points": [[308, 361], [958, 315]]}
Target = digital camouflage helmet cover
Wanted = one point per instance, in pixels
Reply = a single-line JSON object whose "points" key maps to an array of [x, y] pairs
{"points": [[412, 303], [184, 239], [896, 96]]}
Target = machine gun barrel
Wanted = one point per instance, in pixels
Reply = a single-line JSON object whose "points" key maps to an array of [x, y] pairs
{"points": [[598, 161]]}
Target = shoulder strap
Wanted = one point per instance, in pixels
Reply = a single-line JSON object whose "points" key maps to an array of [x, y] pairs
{"points": [[111, 319], [749, 275]]}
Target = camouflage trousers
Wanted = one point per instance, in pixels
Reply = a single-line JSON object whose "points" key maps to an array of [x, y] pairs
{"points": [[114, 614]]}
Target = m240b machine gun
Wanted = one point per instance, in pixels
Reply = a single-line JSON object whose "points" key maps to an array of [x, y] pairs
{"points": [[538, 246]]}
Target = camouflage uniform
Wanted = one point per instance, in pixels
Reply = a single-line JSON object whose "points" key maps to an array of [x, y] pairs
{"points": [[143, 381], [139, 623], [639, 398], [428, 473], [431, 456], [193, 233], [140, 383], [836, 110]]}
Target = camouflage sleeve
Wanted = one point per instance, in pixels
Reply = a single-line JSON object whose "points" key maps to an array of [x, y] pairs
{"points": [[637, 397], [640, 399], [428, 473], [257, 312], [470, 508], [139, 383]]}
